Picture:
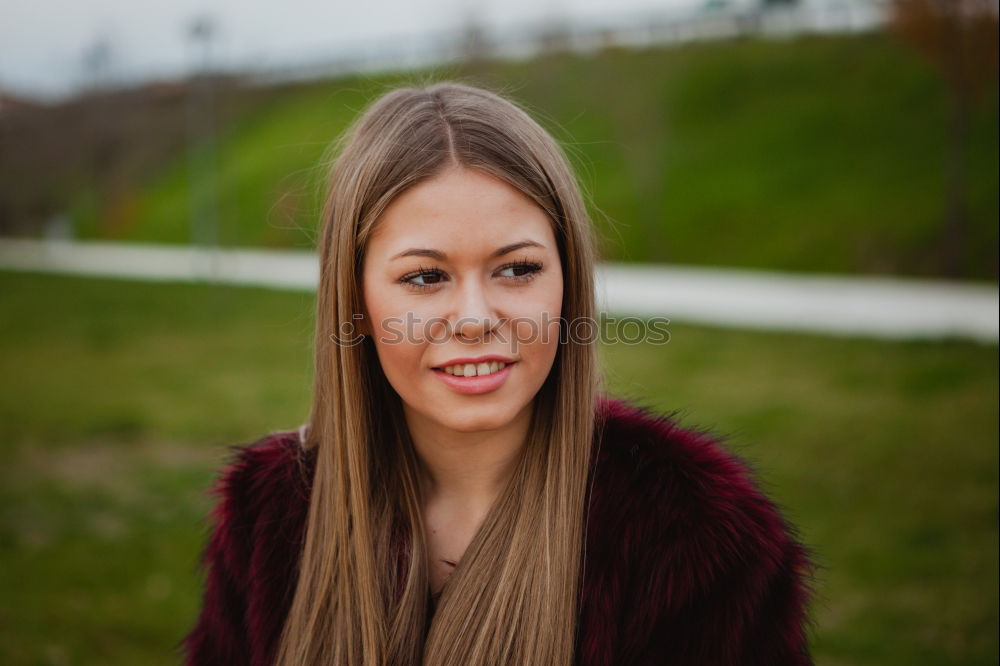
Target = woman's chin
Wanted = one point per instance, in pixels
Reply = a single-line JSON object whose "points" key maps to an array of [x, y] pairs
{"points": [[474, 422], [477, 418]]}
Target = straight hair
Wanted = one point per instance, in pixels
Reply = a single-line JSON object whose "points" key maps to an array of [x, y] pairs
{"points": [[361, 595]]}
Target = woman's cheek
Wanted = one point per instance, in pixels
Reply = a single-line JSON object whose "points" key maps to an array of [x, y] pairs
{"points": [[535, 329], [395, 321]]}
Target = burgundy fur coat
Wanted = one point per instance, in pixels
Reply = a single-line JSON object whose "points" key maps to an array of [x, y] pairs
{"points": [[687, 562]]}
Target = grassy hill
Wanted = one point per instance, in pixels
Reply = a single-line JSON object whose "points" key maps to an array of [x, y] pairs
{"points": [[813, 154]]}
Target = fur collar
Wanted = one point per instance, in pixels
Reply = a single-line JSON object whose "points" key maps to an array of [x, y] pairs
{"points": [[687, 562]]}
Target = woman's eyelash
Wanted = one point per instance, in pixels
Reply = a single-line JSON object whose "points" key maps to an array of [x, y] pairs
{"points": [[417, 273], [532, 268]]}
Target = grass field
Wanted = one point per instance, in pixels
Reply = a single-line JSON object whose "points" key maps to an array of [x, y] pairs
{"points": [[814, 154], [120, 400]]}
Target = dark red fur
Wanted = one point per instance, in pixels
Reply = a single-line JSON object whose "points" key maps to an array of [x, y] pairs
{"points": [[687, 561]]}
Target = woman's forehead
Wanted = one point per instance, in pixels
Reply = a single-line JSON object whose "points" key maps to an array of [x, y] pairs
{"points": [[460, 192], [450, 218], [440, 240]]}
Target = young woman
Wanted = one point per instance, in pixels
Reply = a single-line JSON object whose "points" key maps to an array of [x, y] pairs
{"points": [[462, 494]]}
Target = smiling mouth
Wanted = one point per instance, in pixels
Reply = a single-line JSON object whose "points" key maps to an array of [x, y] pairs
{"points": [[474, 369]]}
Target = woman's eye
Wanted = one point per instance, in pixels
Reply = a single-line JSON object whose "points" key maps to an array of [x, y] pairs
{"points": [[427, 278], [422, 279], [521, 271]]}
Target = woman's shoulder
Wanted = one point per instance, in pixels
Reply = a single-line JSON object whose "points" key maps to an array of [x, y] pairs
{"points": [[272, 470], [274, 454], [679, 525], [679, 475], [649, 450], [255, 534]]}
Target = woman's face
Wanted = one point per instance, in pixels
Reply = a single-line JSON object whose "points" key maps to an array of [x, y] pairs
{"points": [[462, 274]]}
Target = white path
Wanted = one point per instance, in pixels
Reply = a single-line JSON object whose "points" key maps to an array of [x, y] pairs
{"points": [[840, 305]]}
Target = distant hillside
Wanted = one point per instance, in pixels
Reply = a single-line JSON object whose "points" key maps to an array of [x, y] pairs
{"points": [[813, 154]]}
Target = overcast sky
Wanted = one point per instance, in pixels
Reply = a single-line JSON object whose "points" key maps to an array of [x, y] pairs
{"points": [[42, 42]]}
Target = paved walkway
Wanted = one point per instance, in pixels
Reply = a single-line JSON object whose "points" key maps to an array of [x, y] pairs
{"points": [[840, 305]]}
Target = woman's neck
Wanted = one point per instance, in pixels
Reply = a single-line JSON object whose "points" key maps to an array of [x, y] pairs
{"points": [[470, 468]]}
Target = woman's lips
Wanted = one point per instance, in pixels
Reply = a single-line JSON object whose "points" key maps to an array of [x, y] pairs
{"points": [[475, 385]]}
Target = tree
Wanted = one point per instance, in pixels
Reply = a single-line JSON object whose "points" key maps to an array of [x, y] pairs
{"points": [[960, 38]]}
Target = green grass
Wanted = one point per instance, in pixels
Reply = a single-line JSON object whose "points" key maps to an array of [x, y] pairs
{"points": [[814, 154], [120, 400]]}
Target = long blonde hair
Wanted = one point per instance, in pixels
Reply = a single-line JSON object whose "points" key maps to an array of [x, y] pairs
{"points": [[362, 592]]}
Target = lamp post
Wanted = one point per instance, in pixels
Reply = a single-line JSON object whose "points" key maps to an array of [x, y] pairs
{"points": [[202, 164]]}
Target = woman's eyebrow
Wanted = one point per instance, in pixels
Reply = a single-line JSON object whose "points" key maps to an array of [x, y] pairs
{"points": [[437, 254]]}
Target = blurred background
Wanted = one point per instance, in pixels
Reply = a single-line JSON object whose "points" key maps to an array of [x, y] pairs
{"points": [[721, 143]]}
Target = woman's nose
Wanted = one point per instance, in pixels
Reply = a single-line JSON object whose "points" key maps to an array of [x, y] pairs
{"points": [[475, 314]]}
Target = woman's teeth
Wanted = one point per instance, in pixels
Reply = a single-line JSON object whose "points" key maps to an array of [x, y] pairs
{"points": [[473, 369]]}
